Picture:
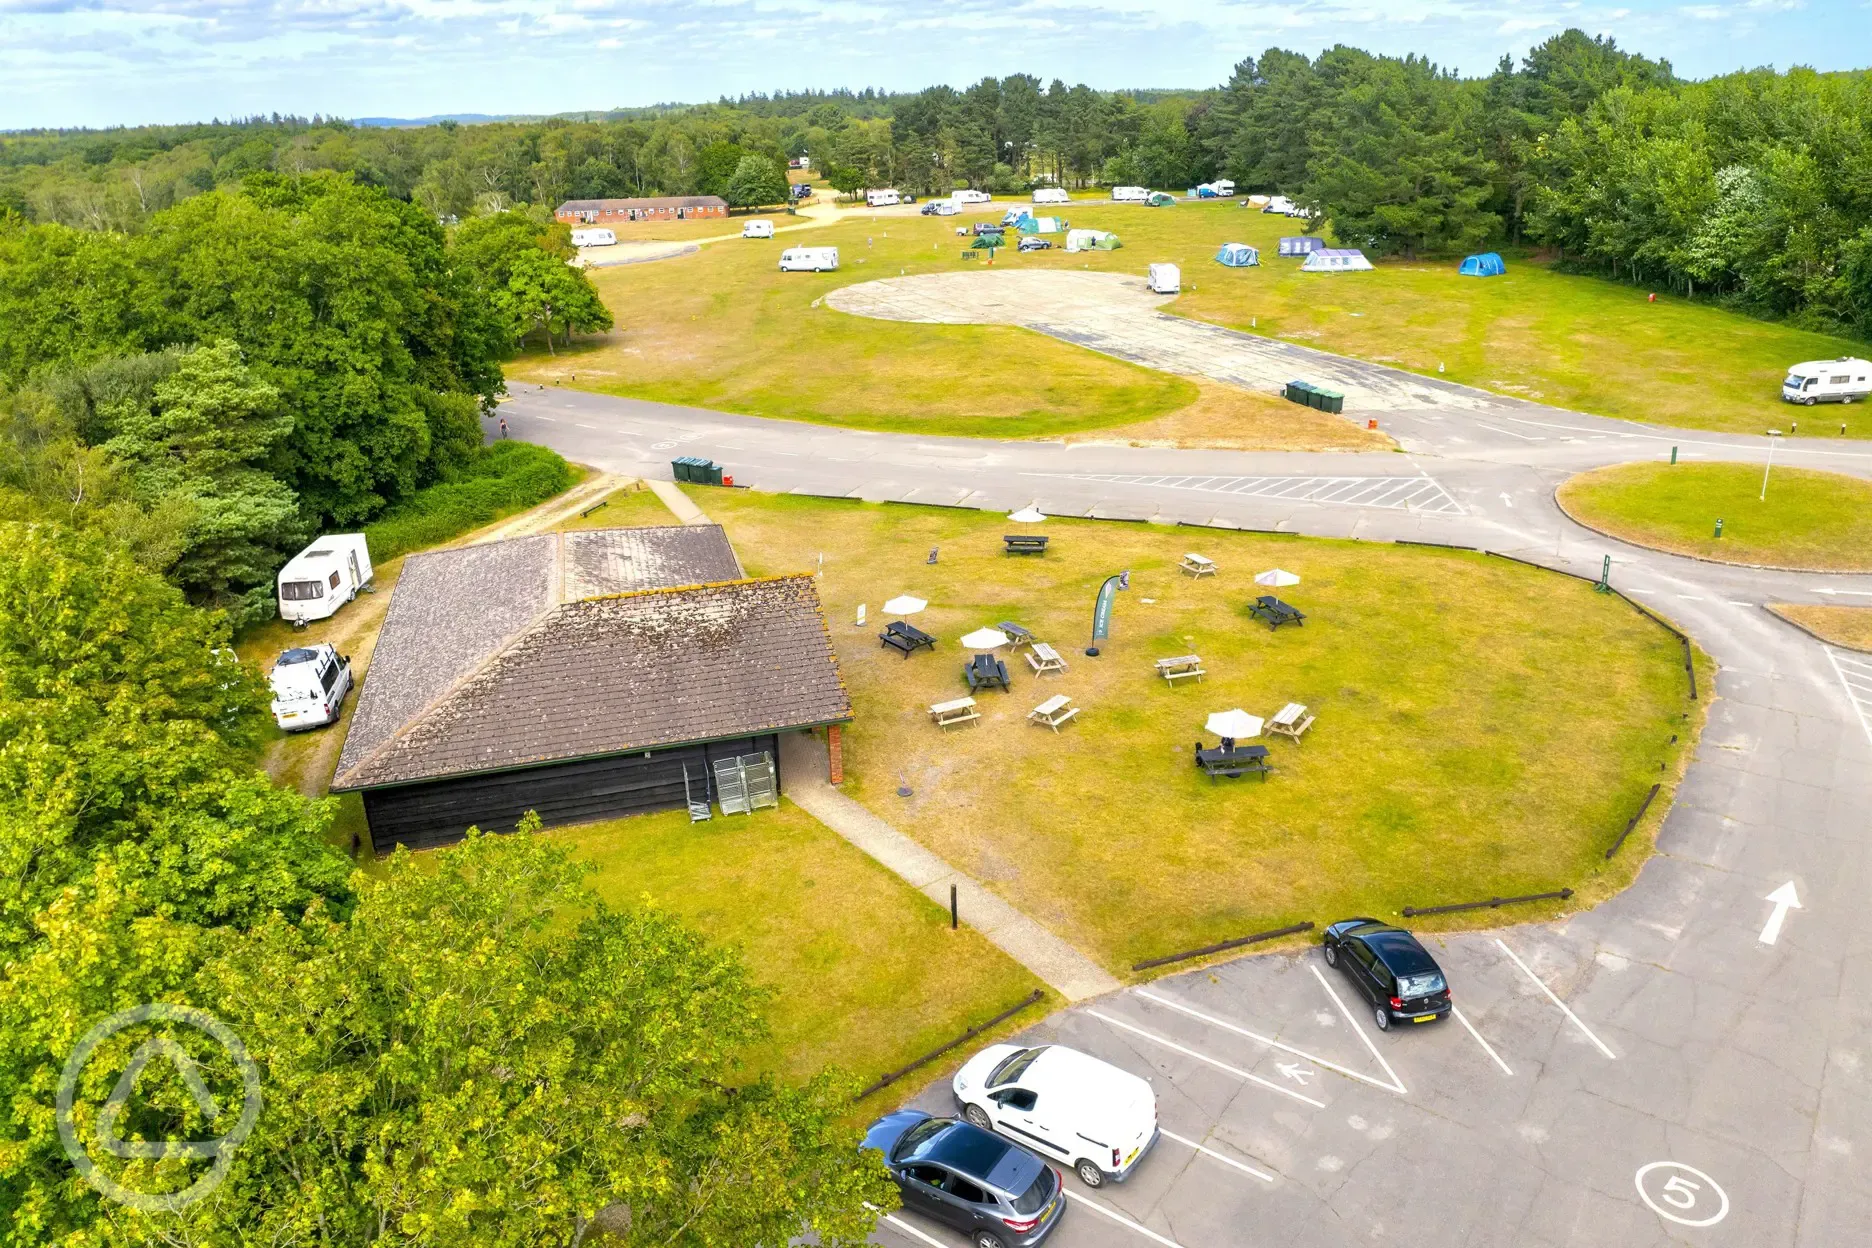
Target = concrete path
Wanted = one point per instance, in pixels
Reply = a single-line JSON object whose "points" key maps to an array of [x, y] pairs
{"points": [[1061, 967], [678, 502]]}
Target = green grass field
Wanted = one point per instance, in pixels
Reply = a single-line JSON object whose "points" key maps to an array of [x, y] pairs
{"points": [[723, 328], [1483, 728], [1809, 520]]}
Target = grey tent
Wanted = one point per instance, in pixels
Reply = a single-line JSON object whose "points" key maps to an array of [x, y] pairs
{"points": [[1304, 246]]}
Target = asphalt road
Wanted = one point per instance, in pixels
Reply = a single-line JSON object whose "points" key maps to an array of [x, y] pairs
{"points": [[1649, 1072]]}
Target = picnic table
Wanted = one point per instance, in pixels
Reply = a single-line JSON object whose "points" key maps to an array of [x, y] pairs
{"points": [[1241, 761], [1290, 721], [984, 670], [1053, 712], [956, 711], [1198, 565], [1043, 658], [1024, 544], [1275, 612], [1017, 636], [1176, 669], [905, 637]]}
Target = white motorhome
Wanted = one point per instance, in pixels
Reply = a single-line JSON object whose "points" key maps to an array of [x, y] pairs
{"points": [[1165, 279], [1224, 187], [963, 195], [309, 686], [808, 259], [1130, 194], [323, 577], [1279, 205], [882, 199], [757, 229], [1844, 380], [594, 238], [1052, 195]]}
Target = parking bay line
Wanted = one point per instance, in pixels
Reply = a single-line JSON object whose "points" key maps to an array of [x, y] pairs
{"points": [[1486, 1047], [1119, 1218], [1203, 1057], [912, 1231], [1210, 1152], [1539, 983], [1396, 1085]]}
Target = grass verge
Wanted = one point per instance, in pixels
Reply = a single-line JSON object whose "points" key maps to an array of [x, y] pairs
{"points": [[506, 478], [1810, 521], [1850, 628]]}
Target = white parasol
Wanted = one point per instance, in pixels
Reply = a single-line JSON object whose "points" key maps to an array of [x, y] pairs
{"points": [[985, 639], [904, 604], [1027, 515], [1234, 724], [1275, 578]]}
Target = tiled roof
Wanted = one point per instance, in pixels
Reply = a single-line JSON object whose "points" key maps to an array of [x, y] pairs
{"points": [[654, 201], [629, 672]]}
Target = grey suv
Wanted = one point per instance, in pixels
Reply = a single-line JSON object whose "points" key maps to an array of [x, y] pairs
{"points": [[998, 1193]]}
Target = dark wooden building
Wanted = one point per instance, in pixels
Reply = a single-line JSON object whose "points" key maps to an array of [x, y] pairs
{"points": [[582, 675]]}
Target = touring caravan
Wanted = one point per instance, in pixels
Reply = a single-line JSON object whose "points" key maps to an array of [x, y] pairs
{"points": [[1279, 205], [323, 577], [1165, 279], [594, 238], [1130, 194], [886, 198], [1845, 380], [808, 259], [1052, 195], [309, 686], [942, 208], [963, 195]]}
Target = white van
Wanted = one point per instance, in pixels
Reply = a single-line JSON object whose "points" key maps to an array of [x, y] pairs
{"points": [[757, 229], [963, 195], [1130, 194], [1063, 1104], [1165, 279], [1224, 187], [594, 238], [1052, 195], [808, 259], [323, 577], [309, 686], [881, 199], [1844, 380]]}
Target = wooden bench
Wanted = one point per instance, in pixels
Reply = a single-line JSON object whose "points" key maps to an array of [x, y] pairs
{"points": [[1173, 670], [1043, 658], [1198, 565], [1275, 612], [984, 670], [1234, 764], [1290, 721], [907, 638], [1024, 544], [958, 711], [1017, 636], [1053, 712]]}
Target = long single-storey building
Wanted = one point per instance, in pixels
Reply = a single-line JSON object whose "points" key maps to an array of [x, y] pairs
{"points": [[582, 675], [654, 208]]}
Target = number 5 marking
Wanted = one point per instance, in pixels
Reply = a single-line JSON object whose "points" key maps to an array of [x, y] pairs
{"points": [[1682, 1194]]}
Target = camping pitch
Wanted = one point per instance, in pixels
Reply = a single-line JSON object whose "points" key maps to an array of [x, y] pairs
{"points": [[1091, 240], [1336, 260], [1301, 246], [1487, 264], [1238, 256], [1040, 225]]}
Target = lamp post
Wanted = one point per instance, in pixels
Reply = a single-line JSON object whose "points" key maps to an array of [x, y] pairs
{"points": [[1774, 435]]}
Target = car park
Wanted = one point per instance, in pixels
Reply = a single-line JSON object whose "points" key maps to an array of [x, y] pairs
{"points": [[997, 1193], [309, 686], [1035, 243], [1063, 1104], [1396, 974]]}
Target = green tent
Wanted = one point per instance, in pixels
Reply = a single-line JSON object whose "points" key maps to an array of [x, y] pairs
{"points": [[988, 241], [1106, 242]]}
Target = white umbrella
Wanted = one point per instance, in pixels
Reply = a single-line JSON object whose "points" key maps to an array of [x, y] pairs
{"points": [[985, 639], [1276, 578], [1027, 515], [904, 604], [1234, 724]]}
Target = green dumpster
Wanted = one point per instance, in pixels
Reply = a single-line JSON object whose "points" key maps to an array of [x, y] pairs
{"points": [[1330, 400], [1298, 392], [679, 468], [708, 472]]}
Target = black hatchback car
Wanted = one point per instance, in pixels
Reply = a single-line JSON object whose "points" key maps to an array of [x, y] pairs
{"points": [[999, 1194], [1397, 975]]}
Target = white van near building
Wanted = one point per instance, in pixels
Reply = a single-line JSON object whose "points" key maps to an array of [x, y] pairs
{"points": [[808, 259], [757, 229], [886, 198], [1130, 194], [1845, 380], [323, 577], [309, 686]]}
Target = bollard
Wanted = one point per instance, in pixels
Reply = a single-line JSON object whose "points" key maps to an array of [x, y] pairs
{"points": [[1673, 454], [1719, 527], [953, 917], [1372, 423]]}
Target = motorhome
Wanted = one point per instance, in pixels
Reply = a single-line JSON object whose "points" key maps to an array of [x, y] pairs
{"points": [[1130, 194], [757, 229], [1845, 380], [309, 686], [1224, 187], [1052, 195], [594, 238], [1014, 216], [323, 577], [941, 208], [1165, 279], [963, 195], [1280, 205], [886, 198], [808, 259]]}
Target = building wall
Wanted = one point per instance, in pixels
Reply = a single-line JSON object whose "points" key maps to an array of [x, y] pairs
{"points": [[610, 216], [439, 812]]}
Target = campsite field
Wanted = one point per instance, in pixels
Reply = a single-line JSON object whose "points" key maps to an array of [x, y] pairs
{"points": [[1483, 728], [723, 328], [1818, 521]]}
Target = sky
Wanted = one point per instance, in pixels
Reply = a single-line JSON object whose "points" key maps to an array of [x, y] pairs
{"points": [[127, 62]]}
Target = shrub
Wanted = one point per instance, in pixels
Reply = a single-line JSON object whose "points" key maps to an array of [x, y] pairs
{"points": [[504, 478]]}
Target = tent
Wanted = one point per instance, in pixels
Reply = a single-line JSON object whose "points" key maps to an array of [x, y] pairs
{"points": [[1238, 256], [1158, 199], [1488, 264], [1301, 246], [1040, 225], [988, 242], [1336, 260], [1091, 240]]}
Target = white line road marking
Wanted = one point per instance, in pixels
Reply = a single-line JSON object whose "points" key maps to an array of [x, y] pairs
{"points": [[1397, 1083], [1525, 437], [1486, 1047], [912, 1231], [1784, 899], [1736, 602], [1857, 593], [551, 420], [1237, 1071], [1419, 493], [1119, 1218], [1538, 983], [1856, 675], [1690, 597], [1210, 1152], [581, 424], [1270, 1041]]}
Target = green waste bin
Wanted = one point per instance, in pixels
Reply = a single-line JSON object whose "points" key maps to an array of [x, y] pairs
{"points": [[680, 467], [1298, 392], [708, 472], [1330, 400]]}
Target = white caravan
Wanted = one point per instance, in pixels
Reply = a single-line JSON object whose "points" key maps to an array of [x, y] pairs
{"points": [[1280, 205], [594, 238], [808, 259], [882, 199], [757, 229], [944, 208], [1130, 194], [1165, 279], [1844, 380], [963, 195], [1052, 195], [1096, 1118], [309, 686], [323, 577]]}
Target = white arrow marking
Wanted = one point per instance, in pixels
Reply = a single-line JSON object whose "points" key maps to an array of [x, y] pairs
{"points": [[1294, 1071], [1506, 499], [1784, 900]]}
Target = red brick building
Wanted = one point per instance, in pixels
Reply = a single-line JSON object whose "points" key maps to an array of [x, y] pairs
{"points": [[655, 208]]}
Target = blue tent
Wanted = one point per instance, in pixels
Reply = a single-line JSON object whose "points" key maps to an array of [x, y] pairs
{"points": [[1488, 264], [1238, 256]]}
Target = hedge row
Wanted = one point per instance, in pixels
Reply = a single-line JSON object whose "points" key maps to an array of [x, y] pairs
{"points": [[507, 477]]}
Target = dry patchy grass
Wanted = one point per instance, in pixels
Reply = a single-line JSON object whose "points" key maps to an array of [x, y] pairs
{"points": [[1847, 627]]}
